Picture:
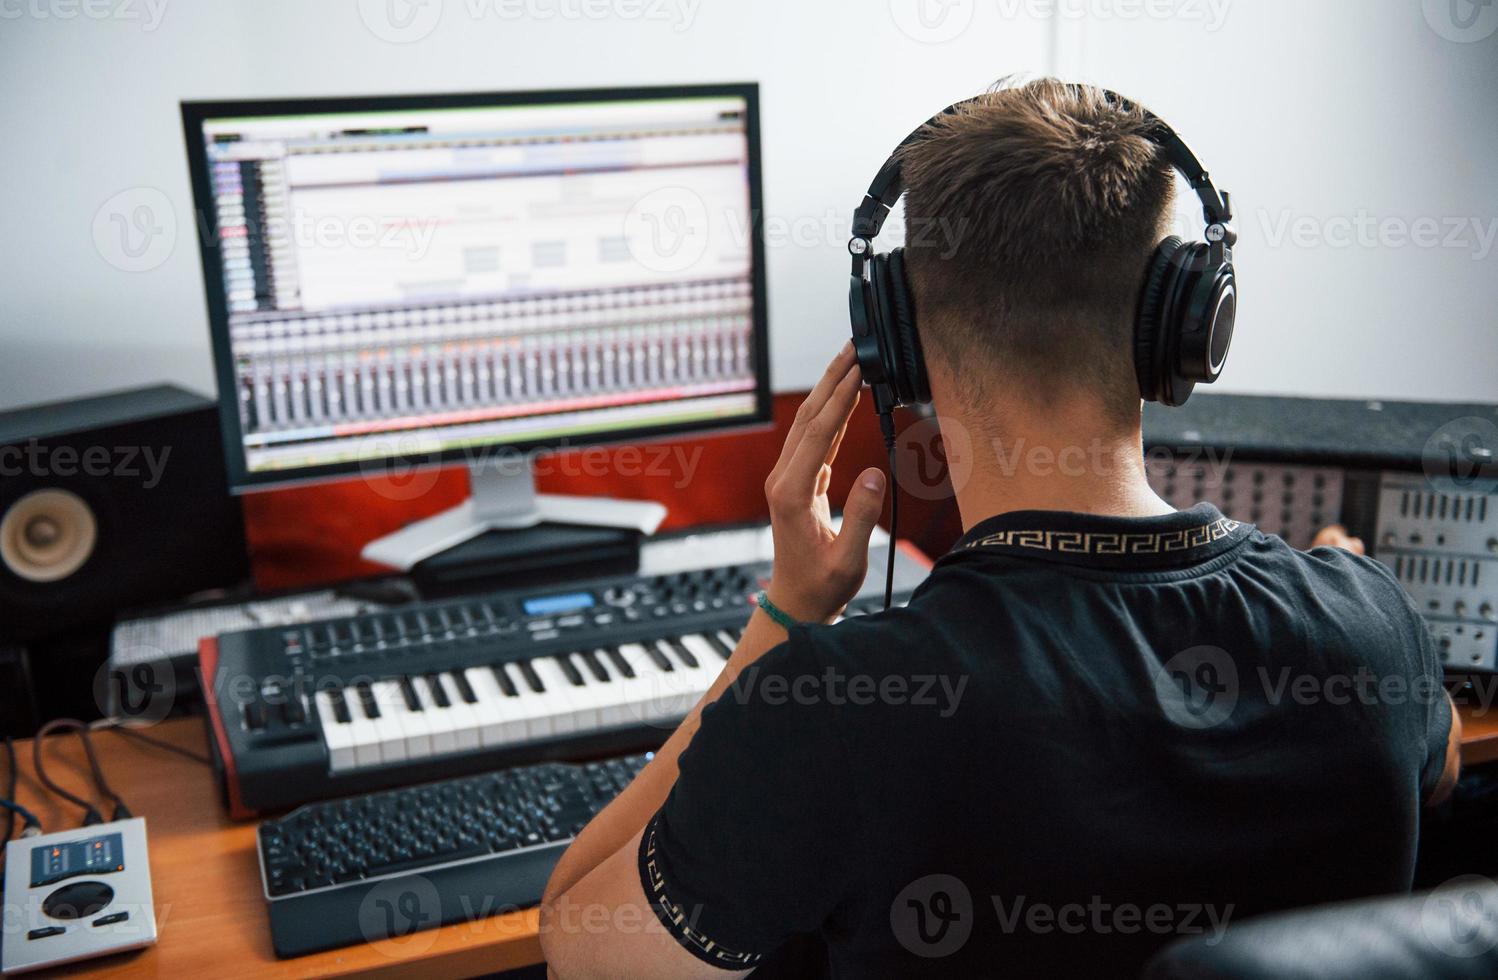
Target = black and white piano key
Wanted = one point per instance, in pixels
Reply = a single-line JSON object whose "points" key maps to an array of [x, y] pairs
{"points": [[400, 719]]}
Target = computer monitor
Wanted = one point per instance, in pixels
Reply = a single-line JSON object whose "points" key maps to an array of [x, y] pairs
{"points": [[424, 280]]}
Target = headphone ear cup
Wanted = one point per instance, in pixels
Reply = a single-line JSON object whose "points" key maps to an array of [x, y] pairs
{"points": [[881, 325], [916, 386], [1150, 329]]}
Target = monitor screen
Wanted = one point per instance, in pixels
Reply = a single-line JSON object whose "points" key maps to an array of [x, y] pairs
{"points": [[435, 277]]}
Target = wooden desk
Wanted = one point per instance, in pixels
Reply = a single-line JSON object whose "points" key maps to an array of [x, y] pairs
{"points": [[210, 911], [1479, 735]]}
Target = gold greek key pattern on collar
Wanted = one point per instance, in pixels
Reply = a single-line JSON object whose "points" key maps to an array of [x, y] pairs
{"points": [[1110, 543], [674, 917]]}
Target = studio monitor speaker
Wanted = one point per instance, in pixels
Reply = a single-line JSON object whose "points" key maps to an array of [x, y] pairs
{"points": [[108, 503]]}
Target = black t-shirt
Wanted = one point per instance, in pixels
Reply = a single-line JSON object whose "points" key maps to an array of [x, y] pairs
{"points": [[1083, 737]]}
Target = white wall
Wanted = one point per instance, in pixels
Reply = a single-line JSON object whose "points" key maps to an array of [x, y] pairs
{"points": [[1306, 111], [91, 109], [1319, 116]]}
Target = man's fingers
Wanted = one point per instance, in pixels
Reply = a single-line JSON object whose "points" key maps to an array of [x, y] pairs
{"points": [[860, 516], [800, 474], [1336, 536], [815, 401], [842, 430]]}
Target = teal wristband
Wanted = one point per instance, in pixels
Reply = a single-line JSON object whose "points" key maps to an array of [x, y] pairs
{"points": [[782, 619]]}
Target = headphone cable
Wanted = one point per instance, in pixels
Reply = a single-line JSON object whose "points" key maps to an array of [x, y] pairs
{"points": [[887, 429]]}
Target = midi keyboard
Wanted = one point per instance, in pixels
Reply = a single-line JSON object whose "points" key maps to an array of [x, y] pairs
{"points": [[440, 689]]}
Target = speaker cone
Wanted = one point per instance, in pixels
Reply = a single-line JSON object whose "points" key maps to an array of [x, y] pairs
{"points": [[47, 535]]}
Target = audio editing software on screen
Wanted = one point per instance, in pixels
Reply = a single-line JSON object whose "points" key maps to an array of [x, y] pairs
{"points": [[470, 276]]}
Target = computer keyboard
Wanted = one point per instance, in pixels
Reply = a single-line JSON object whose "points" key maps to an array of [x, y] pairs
{"points": [[383, 865]]}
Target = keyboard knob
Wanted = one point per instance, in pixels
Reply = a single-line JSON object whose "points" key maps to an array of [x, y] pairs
{"points": [[254, 716], [293, 712]]}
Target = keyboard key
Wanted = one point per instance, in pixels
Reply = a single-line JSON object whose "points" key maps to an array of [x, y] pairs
{"points": [[388, 701], [532, 679], [457, 713], [465, 690], [570, 670], [408, 692], [686, 656], [503, 679], [340, 706], [337, 733], [660, 660], [722, 649], [590, 659], [704, 648], [444, 738], [367, 701], [619, 662]]}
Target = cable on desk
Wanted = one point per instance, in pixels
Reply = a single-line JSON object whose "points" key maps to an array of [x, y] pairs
{"points": [[30, 825], [120, 728], [10, 788], [91, 813]]}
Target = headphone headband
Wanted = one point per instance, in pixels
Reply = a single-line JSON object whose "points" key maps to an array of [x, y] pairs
{"points": [[1183, 320], [888, 184]]}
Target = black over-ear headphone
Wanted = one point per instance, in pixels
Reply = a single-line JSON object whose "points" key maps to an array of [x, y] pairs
{"points": [[1183, 323]]}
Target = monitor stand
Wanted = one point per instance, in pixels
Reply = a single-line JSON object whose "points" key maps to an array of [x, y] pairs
{"points": [[506, 500]]}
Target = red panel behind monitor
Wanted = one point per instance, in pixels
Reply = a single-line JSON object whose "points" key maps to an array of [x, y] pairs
{"points": [[312, 535]]}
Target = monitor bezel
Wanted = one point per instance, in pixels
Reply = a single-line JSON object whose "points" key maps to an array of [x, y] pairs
{"points": [[242, 479]]}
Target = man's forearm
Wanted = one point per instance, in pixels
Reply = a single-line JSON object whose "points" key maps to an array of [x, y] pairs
{"points": [[632, 809]]}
